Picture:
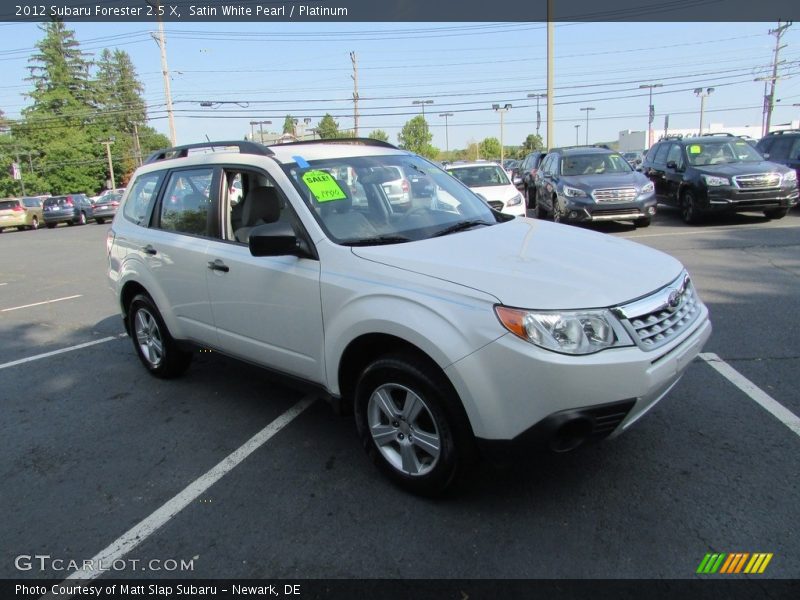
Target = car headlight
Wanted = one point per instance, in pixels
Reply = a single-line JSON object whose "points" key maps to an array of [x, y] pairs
{"points": [[515, 201], [790, 177], [569, 332], [714, 181], [571, 192], [648, 188]]}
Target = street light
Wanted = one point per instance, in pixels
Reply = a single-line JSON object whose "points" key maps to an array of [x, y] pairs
{"points": [[652, 110], [260, 129], [422, 103], [502, 110], [538, 96], [446, 137], [577, 127], [587, 109], [702, 94]]}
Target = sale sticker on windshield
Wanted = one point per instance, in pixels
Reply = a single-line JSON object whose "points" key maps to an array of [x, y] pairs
{"points": [[323, 186]]}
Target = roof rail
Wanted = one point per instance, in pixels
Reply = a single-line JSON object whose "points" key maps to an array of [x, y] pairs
{"points": [[725, 133], [601, 146], [671, 136], [356, 141], [183, 151], [782, 131]]}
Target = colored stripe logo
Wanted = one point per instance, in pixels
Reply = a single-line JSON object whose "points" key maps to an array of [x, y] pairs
{"points": [[736, 562]]}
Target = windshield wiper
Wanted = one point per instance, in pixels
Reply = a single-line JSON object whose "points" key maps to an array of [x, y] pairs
{"points": [[377, 240], [461, 226]]}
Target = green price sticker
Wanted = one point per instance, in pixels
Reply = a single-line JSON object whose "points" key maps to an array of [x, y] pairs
{"points": [[323, 186], [694, 149]]}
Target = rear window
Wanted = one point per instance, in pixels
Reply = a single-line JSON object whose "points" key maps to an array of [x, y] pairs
{"points": [[55, 201], [8, 204], [32, 202]]}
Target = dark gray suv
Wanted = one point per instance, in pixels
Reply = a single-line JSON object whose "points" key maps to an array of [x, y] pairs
{"points": [[587, 183], [73, 209]]}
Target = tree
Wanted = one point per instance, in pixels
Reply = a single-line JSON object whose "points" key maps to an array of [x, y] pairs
{"points": [[490, 148], [532, 143], [288, 125], [379, 134], [328, 128], [416, 137]]}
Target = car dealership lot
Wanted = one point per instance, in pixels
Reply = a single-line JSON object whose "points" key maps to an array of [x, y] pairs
{"points": [[91, 446]]}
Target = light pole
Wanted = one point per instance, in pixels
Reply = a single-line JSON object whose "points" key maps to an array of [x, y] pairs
{"points": [[702, 94], [502, 110], [260, 128], [107, 143], [446, 137], [538, 97], [587, 109], [422, 103], [652, 110], [306, 123], [577, 127]]}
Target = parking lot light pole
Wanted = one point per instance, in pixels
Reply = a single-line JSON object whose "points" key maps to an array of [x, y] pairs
{"points": [[587, 109], [538, 97], [702, 94], [422, 103], [577, 127], [651, 110], [446, 136], [502, 110], [260, 128]]}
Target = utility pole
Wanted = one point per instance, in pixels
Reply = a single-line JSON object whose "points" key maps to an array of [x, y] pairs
{"points": [[354, 76], [161, 40], [19, 166], [778, 33], [550, 73], [502, 110], [137, 145], [538, 96], [446, 135], [107, 143]]}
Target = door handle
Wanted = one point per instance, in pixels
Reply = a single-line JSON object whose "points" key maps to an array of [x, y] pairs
{"points": [[218, 265], [149, 250]]}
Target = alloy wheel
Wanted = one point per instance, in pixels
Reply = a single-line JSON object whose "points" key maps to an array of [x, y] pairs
{"points": [[148, 336]]}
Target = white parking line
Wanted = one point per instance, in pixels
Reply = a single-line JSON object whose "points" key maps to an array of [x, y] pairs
{"points": [[22, 361], [40, 303], [706, 231], [135, 536], [780, 412], [3, 284]]}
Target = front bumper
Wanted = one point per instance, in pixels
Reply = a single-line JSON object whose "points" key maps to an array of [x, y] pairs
{"points": [[730, 199], [581, 210], [510, 386]]}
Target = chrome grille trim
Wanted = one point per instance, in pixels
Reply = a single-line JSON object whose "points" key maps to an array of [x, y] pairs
{"points": [[626, 194], [661, 317], [758, 181]]}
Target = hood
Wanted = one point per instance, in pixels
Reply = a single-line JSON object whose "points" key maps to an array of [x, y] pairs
{"points": [[742, 168], [609, 180], [534, 264], [501, 193]]}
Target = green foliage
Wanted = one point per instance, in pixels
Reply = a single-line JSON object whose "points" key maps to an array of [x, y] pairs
{"points": [[532, 142], [416, 137], [328, 128], [378, 134], [490, 148], [288, 124]]}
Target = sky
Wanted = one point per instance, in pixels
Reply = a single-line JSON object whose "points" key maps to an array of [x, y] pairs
{"points": [[262, 71]]}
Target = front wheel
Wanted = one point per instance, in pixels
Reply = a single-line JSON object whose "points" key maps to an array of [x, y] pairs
{"points": [[689, 210], [642, 222], [411, 424], [530, 197], [50, 225], [153, 343], [776, 213]]}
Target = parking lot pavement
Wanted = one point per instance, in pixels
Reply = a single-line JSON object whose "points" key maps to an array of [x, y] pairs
{"points": [[91, 446]]}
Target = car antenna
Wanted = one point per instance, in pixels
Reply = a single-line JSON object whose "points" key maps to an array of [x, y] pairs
{"points": [[208, 139]]}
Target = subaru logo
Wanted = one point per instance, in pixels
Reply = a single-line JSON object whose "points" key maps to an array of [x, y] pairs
{"points": [[674, 300]]}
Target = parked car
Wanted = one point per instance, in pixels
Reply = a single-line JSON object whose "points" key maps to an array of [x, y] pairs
{"points": [[528, 168], [634, 158], [22, 213], [72, 209], [451, 330], [398, 190], [584, 183], [718, 174], [491, 182], [782, 147], [104, 208]]}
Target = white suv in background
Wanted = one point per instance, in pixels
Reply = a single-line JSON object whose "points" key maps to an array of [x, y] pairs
{"points": [[451, 329]]}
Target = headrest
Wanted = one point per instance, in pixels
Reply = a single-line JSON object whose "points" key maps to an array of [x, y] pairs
{"points": [[261, 204]]}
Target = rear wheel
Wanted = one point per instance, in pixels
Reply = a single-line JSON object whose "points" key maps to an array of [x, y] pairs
{"points": [[100, 221], [689, 211], [50, 225], [411, 424], [776, 213], [154, 345], [642, 222], [82, 219]]}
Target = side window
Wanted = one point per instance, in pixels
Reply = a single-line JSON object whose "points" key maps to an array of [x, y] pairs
{"points": [[255, 205], [780, 148], [765, 144], [186, 205], [546, 165], [795, 152], [651, 154], [141, 197], [674, 154], [660, 157]]}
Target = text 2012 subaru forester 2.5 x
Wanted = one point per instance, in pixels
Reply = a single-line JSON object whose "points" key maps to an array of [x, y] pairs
{"points": [[451, 329]]}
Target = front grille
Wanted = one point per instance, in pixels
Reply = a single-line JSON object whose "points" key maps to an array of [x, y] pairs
{"points": [[627, 194], [496, 204], [678, 307], [614, 211], [607, 418], [758, 181]]}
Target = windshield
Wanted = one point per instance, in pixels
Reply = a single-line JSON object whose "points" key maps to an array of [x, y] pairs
{"points": [[719, 152], [594, 164], [480, 176], [351, 200]]}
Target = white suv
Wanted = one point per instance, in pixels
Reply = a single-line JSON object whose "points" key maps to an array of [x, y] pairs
{"points": [[451, 329]]}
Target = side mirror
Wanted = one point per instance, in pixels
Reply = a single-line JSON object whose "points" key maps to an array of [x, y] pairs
{"points": [[671, 164], [517, 180], [766, 155], [276, 239]]}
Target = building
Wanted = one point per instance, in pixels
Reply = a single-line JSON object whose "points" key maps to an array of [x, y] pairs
{"points": [[630, 141]]}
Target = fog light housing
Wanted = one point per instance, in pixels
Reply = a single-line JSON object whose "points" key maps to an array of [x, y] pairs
{"points": [[651, 210], [573, 214]]}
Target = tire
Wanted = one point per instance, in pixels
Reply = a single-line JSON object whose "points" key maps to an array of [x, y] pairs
{"points": [[153, 343], [541, 212], [776, 213], [689, 211], [34, 223], [411, 424], [642, 222], [100, 221], [82, 218], [50, 225], [557, 216], [530, 197]]}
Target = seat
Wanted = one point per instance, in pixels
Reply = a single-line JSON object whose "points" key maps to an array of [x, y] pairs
{"points": [[262, 205], [342, 221]]}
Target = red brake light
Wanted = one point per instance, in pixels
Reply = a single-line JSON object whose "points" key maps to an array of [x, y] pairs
{"points": [[405, 185], [18, 208]]}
